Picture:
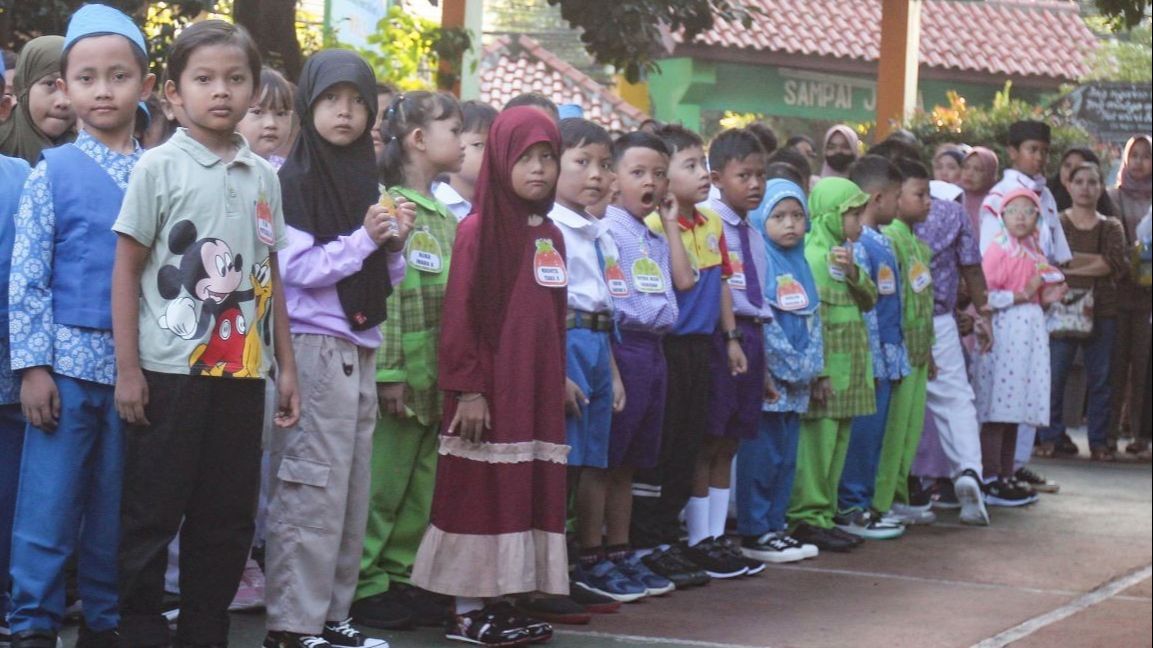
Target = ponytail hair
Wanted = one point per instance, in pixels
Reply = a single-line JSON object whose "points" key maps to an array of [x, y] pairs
{"points": [[408, 112]]}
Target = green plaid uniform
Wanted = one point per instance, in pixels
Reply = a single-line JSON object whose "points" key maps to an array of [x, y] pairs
{"points": [[412, 330], [917, 315]]}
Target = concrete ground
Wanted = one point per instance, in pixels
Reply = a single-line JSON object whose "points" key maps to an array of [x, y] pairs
{"points": [[1072, 570]]}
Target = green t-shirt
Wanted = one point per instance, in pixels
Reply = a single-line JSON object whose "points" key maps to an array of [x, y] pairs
{"points": [[206, 290]]}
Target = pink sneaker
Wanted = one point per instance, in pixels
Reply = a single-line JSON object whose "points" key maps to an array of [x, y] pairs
{"points": [[250, 593]]}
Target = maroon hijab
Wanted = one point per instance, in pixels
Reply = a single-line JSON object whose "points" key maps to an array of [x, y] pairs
{"points": [[503, 215]]}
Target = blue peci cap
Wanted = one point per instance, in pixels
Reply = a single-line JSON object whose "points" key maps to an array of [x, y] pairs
{"points": [[570, 110], [102, 20]]}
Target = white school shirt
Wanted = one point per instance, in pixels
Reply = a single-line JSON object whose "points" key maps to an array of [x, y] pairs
{"points": [[449, 197], [1053, 242], [587, 289]]}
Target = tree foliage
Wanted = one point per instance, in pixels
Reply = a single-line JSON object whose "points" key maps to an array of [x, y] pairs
{"points": [[1123, 13], [1122, 56], [407, 51], [629, 33]]}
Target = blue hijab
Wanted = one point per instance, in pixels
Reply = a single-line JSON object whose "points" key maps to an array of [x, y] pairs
{"points": [[784, 261]]}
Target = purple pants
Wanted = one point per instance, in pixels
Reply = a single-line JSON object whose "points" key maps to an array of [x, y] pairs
{"points": [[635, 436], [931, 460], [735, 401]]}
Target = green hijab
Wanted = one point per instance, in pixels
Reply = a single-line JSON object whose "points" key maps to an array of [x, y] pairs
{"points": [[19, 136], [830, 198]]}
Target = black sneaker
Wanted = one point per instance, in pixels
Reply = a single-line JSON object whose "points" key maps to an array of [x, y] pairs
{"points": [[946, 496], [918, 494], [1066, 447], [341, 634], [1005, 493], [384, 611], [103, 639], [34, 639], [294, 640], [1036, 481], [845, 535], [821, 538], [675, 566], [771, 548], [733, 547], [427, 608], [716, 560], [554, 609], [593, 602]]}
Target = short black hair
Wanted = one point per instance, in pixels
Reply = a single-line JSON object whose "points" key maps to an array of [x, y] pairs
{"points": [[638, 139], [138, 55], [873, 172], [793, 158], [476, 116], [678, 138], [1085, 154], [894, 149], [408, 112], [534, 99], [733, 144], [912, 169], [576, 132], [207, 34], [766, 136], [785, 171], [797, 139], [275, 90]]}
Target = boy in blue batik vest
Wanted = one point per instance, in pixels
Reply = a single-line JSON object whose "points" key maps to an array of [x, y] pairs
{"points": [[60, 311]]}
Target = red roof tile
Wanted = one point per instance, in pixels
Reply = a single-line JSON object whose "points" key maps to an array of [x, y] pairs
{"points": [[512, 64], [1039, 38]]}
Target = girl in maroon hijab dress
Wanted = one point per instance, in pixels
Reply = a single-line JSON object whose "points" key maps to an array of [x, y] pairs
{"points": [[498, 513]]}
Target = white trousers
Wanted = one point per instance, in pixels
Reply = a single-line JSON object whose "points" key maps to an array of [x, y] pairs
{"points": [[950, 400], [1026, 434]]}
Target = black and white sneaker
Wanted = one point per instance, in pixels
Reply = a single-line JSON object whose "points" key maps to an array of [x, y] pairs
{"points": [[716, 559], [808, 550], [294, 640], [772, 548], [733, 547], [1002, 492], [1035, 480], [869, 525], [673, 564], [945, 498]]}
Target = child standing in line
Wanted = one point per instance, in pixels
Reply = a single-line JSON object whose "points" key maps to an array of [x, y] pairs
{"points": [[201, 219], [663, 491], [339, 268], [43, 116], [268, 123], [877, 177], [737, 160], [845, 387], [645, 310], [457, 191], [1012, 380], [766, 463], [594, 391], [60, 291], [907, 407], [501, 365], [13, 172], [422, 133]]}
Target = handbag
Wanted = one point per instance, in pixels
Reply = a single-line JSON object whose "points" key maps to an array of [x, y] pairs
{"points": [[1072, 317]]}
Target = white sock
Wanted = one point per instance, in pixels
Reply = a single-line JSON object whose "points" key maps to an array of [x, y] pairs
{"points": [[465, 605], [718, 511], [697, 519]]}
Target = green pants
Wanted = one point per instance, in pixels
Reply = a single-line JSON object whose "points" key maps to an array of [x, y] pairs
{"points": [[902, 436], [403, 476], [820, 461]]}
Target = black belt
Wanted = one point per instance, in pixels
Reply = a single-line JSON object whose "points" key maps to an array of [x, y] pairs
{"points": [[752, 320], [598, 322]]}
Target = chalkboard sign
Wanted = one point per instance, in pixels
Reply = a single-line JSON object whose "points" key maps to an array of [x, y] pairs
{"points": [[1113, 112]]}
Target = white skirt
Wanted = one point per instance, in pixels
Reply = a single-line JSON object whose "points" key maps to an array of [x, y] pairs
{"points": [[1012, 380]]}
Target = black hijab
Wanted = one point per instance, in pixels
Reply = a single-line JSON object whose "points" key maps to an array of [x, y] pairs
{"points": [[327, 188]]}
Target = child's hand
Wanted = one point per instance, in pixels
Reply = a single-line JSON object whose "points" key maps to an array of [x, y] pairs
{"points": [[618, 394], [574, 399], [771, 393], [822, 391], [984, 329], [404, 219], [287, 400], [669, 209], [1034, 285], [738, 363], [391, 397], [379, 224], [965, 323], [40, 399], [843, 258], [471, 418], [131, 396]]}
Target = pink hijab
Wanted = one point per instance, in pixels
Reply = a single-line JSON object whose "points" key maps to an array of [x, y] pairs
{"points": [[1010, 263], [973, 200], [1136, 188], [854, 143]]}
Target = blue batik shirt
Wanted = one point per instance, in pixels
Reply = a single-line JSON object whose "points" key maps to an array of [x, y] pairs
{"points": [[883, 323]]}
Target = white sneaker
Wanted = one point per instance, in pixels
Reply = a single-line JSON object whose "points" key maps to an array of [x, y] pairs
{"points": [[869, 526], [807, 550], [910, 515], [972, 500]]}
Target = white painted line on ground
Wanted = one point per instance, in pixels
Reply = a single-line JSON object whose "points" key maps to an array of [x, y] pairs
{"points": [[653, 641], [1103, 593], [924, 579]]}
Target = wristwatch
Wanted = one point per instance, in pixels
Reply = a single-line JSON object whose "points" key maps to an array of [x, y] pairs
{"points": [[734, 334]]}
